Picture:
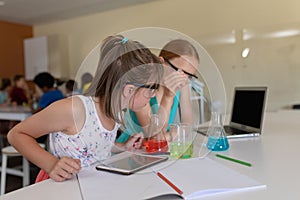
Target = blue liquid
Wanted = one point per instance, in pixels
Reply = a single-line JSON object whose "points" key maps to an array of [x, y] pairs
{"points": [[217, 143]]}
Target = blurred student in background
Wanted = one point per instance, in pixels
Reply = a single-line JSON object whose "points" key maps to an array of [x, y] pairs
{"points": [[45, 81], [4, 91], [71, 88], [20, 94], [86, 80]]}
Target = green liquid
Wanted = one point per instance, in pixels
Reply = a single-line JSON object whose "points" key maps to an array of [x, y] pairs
{"points": [[180, 150]]}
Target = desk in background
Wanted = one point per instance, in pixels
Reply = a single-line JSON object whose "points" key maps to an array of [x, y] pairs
{"points": [[274, 156], [11, 113], [14, 113]]}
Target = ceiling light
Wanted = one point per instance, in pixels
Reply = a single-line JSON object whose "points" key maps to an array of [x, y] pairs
{"points": [[285, 33], [245, 52], [2, 3]]}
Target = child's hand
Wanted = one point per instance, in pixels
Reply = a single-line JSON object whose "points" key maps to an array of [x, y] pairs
{"points": [[134, 142], [173, 82], [65, 168]]}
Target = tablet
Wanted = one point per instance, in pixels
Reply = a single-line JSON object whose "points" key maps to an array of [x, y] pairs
{"points": [[129, 162]]}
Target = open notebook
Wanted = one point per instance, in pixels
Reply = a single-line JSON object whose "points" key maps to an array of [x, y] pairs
{"points": [[195, 178]]}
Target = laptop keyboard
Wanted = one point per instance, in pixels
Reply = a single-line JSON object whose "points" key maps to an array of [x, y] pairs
{"points": [[232, 130]]}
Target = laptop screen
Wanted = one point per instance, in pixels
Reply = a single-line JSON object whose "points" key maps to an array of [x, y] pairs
{"points": [[248, 107]]}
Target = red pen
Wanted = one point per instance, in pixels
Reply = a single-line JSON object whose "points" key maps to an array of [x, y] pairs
{"points": [[169, 183]]}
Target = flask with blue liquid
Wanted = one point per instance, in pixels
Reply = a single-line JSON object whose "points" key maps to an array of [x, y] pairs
{"points": [[217, 140]]}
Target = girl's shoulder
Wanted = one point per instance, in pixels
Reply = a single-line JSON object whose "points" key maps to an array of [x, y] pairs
{"points": [[73, 104], [78, 102]]}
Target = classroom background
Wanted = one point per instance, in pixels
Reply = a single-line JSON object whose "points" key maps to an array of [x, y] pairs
{"points": [[270, 29]]}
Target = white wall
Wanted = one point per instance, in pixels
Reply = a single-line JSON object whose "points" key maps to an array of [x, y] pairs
{"points": [[272, 62]]}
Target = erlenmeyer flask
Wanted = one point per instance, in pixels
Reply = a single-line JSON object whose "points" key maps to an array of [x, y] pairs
{"points": [[217, 140], [156, 142]]}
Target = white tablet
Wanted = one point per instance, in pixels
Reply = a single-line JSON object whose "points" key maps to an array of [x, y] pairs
{"points": [[129, 162]]}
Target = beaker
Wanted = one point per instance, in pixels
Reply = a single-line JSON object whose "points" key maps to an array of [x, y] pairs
{"points": [[156, 142], [182, 144], [217, 140]]}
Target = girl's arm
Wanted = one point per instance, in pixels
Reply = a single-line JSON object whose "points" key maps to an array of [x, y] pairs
{"points": [[56, 117], [172, 82], [186, 109], [143, 117], [134, 142]]}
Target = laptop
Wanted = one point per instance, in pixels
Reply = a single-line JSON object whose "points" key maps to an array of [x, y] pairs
{"points": [[247, 113]]}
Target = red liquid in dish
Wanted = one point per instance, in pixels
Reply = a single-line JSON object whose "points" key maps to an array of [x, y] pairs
{"points": [[156, 146]]}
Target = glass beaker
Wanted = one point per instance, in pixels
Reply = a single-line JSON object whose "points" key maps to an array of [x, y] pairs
{"points": [[217, 140], [156, 142], [182, 144]]}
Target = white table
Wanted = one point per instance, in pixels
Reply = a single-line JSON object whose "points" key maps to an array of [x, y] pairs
{"points": [[48, 189], [274, 157], [14, 113]]}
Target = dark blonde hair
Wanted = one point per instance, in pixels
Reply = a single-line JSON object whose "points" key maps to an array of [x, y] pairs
{"points": [[177, 48], [122, 61]]}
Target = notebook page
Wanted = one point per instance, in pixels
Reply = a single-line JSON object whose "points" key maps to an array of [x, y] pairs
{"points": [[204, 177]]}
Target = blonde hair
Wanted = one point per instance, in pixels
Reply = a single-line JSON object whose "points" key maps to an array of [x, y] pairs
{"points": [[122, 61], [177, 48]]}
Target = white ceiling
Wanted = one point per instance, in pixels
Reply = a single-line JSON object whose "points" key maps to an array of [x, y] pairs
{"points": [[33, 12]]}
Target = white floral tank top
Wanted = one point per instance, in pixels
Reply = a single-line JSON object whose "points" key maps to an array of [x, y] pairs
{"points": [[91, 144]]}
